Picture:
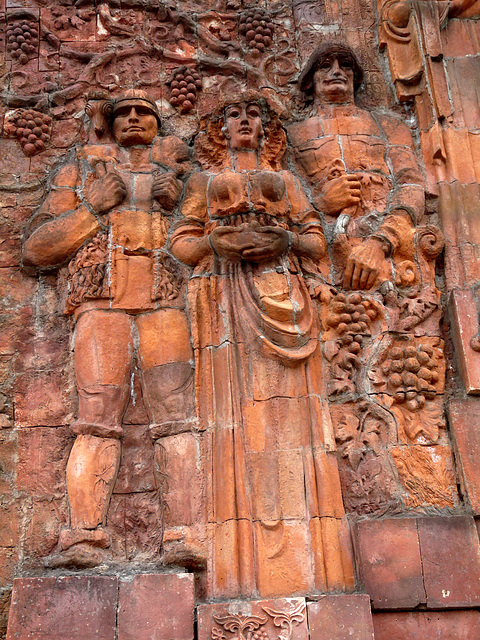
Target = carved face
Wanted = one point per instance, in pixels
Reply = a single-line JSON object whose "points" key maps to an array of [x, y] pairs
{"points": [[134, 124], [333, 80], [243, 125]]}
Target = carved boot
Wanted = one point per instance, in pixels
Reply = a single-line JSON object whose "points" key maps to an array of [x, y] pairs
{"points": [[91, 472]]}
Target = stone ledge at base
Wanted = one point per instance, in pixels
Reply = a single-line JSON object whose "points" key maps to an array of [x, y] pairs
{"points": [[88, 607]]}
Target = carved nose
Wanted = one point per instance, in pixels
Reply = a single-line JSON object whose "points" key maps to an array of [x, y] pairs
{"points": [[133, 115], [335, 69]]}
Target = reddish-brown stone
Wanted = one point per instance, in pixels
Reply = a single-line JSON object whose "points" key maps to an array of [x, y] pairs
{"points": [[451, 561], [136, 463], [389, 563], [464, 420], [42, 458], [41, 398], [263, 617], [73, 608], [463, 311], [159, 606], [340, 617], [447, 625]]}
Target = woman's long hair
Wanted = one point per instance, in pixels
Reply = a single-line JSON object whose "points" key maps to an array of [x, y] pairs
{"points": [[211, 145]]}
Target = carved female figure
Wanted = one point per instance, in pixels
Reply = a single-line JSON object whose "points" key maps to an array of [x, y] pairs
{"points": [[275, 513]]}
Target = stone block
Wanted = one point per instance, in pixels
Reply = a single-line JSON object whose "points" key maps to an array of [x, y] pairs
{"points": [[67, 608], [450, 552], [389, 563], [340, 617], [42, 458], [159, 606], [448, 625], [256, 619], [464, 421], [463, 313]]}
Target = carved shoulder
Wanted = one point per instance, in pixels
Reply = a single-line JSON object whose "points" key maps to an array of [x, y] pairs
{"points": [[172, 152], [396, 131]]}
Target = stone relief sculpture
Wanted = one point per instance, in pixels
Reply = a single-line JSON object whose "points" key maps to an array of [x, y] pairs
{"points": [[300, 345], [107, 215], [275, 515], [381, 340]]}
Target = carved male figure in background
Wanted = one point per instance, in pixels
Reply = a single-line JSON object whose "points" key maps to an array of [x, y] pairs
{"points": [[362, 169], [106, 215]]}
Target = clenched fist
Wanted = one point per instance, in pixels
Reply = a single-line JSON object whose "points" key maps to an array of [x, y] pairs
{"points": [[166, 190], [339, 193], [107, 192]]}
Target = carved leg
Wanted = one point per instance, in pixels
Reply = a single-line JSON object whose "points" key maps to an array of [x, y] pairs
{"points": [[103, 364], [91, 472], [166, 359], [103, 356]]}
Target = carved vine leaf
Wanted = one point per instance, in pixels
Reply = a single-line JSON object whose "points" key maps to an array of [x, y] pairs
{"points": [[414, 310], [340, 382], [285, 620], [346, 434], [424, 422]]}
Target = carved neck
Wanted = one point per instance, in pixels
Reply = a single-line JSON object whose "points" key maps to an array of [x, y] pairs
{"points": [[331, 110], [137, 156], [244, 160]]}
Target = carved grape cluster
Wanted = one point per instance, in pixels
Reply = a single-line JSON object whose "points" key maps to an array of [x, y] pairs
{"points": [[411, 375], [351, 315], [32, 129], [184, 85], [260, 635], [22, 40], [257, 27]]}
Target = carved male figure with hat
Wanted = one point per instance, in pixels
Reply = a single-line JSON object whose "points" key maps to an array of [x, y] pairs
{"points": [[106, 216]]}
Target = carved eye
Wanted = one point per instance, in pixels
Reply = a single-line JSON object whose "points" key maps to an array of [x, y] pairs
{"points": [[345, 63], [253, 111], [122, 111], [233, 113], [143, 111]]}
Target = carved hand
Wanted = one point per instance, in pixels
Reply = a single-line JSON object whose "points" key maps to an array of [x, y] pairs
{"points": [[230, 242], [107, 192], [339, 193], [363, 265], [166, 189], [268, 243]]}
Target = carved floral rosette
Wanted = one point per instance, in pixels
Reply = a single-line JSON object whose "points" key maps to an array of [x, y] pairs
{"points": [[282, 619]]}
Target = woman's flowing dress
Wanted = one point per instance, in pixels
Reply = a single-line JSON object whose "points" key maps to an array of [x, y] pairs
{"points": [[275, 518]]}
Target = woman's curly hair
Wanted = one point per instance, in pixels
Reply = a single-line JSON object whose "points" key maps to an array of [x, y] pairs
{"points": [[211, 145]]}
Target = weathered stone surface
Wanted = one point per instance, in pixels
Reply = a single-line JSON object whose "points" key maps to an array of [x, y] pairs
{"points": [[461, 625], [389, 563], [42, 458], [156, 606], [451, 561], [464, 418], [340, 618], [60, 608]]}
